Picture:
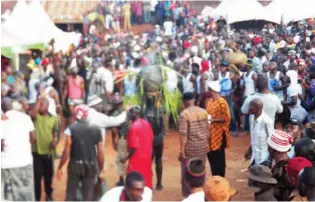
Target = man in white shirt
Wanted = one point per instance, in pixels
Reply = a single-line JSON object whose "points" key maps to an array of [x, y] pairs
{"points": [[17, 135], [134, 190], [168, 27], [105, 81], [292, 73], [272, 104], [260, 131]]}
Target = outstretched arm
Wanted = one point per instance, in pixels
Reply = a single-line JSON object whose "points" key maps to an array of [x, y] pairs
{"points": [[110, 121]]}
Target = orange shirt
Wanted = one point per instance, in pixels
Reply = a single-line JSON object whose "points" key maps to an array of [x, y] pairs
{"points": [[218, 109]]}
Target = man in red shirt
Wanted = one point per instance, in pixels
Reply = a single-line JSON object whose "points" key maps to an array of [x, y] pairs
{"points": [[140, 146]]}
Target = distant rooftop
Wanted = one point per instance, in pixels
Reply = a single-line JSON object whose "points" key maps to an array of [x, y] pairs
{"points": [[71, 11]]}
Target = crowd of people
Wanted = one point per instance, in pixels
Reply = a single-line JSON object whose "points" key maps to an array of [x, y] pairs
{"points": [[91, 87], [119, 15]]}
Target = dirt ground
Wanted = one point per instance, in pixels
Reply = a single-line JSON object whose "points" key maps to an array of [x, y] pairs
{"points": [[171, 175]]}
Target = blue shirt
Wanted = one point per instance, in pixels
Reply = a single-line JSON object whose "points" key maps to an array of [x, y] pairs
{"points": [[226, 86]]}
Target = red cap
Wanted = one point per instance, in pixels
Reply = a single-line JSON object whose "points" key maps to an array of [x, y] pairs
{"points": [[296, 164], [45, 61]]}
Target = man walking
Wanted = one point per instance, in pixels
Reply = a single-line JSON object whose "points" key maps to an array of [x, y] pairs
{"points": [[82, 139], [261, 129], [46, 127], [16, 160], [140, 146], [194, 133]]}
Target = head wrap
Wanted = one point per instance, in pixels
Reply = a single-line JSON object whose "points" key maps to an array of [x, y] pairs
{"points": [[81, 111]]}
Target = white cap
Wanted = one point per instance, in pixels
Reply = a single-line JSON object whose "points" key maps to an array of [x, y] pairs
{"points": [[214, 85]]}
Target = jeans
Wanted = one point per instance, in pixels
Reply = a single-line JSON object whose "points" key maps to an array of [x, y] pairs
{"points": [[17, 184], [43, 167], [147, 16]]}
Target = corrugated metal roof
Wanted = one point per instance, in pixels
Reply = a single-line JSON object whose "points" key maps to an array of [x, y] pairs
{"points": [[69, 11]]}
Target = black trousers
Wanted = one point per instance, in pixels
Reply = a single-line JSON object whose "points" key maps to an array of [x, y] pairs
{"points": [[84, 174], [43, 168], [217, 159], [157, 157], [217, 162]]}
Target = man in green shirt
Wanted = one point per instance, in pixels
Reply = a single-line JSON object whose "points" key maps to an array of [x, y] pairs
{"points": [[46, 140]]}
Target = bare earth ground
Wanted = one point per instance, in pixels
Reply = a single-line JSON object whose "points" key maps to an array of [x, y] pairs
{"points": [[171, 175]]}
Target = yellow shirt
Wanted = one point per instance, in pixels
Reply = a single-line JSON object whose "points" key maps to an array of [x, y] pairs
{"points": [[126, 9]]}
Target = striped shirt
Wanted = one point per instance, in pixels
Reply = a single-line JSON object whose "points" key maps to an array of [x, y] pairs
{"points": [[193, 123]]}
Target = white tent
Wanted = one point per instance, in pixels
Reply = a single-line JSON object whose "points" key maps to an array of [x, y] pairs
{"points": [[17, 26], [298, 10], [206, 11], [239, 10], [245, 10], [30, 26], [223, 9], [289, 10], [16, 34], [49, 30]]}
